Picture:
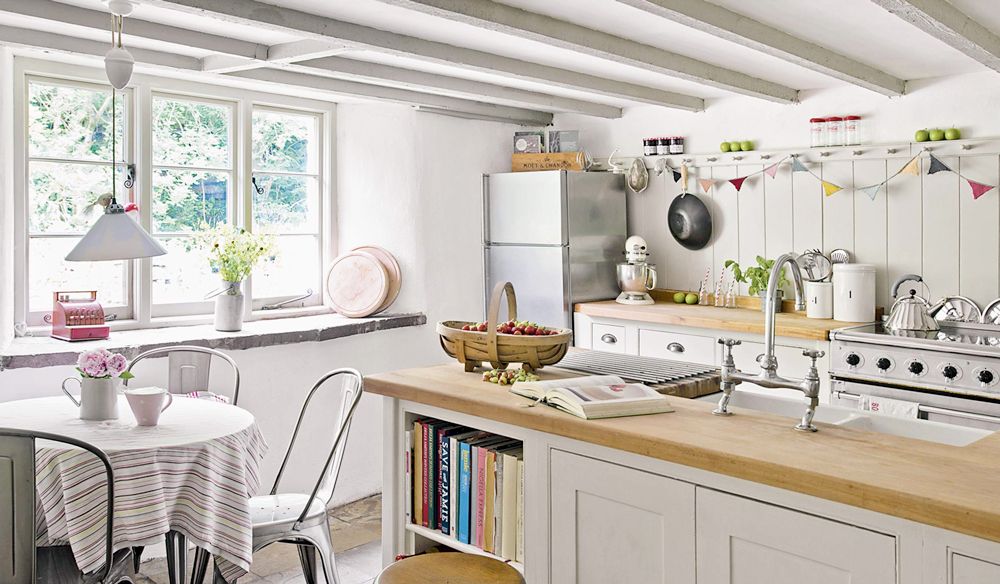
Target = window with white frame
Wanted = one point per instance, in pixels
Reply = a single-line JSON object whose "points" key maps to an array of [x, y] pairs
{"points": [[214, 155]]}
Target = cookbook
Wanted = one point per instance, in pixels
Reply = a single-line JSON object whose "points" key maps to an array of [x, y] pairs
{"points": [[594, 396]]}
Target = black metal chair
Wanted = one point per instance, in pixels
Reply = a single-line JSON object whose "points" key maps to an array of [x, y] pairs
{"points": [[21, 562], [298, 518], [189, 369]]}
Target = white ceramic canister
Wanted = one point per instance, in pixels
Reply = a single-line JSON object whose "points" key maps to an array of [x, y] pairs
{"points": [[854, 292], [819, 299]]}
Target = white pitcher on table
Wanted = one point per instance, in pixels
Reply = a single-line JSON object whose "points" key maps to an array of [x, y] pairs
{"points": [[101, 374]]}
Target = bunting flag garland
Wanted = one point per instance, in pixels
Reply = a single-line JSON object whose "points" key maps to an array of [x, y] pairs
{"points": [[772, 170], [937, 165], [873, 190], [912, 167], [829, 188], [706, 184], [797, 166], [978, 188], [677, 175], [738, 182]]}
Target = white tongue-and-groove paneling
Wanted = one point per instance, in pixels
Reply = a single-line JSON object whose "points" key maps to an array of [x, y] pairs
{"points": [[927, 224]]}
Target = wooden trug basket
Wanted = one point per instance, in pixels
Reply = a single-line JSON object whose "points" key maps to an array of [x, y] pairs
{"points": [[473, 348]]}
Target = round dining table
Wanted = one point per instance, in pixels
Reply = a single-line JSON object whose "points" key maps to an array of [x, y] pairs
{"points": [[193, 473]]}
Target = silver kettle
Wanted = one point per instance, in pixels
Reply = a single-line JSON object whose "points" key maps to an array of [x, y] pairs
{"points": [[910, 312]]}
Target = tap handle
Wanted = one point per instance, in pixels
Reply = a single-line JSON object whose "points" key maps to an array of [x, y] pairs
{"points": [[730, 342], [727, 351], [813, 354]]}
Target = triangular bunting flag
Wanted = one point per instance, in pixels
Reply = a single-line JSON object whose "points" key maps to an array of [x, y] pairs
{"points": [[829, 188], [738, 182], [873, 190], [797, 166], [912, 167], [772, 170], [937, 165], [677, 175], [706, 184], [978, 189]]}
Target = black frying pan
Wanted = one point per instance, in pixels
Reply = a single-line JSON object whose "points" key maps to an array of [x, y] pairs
{"points": [[688, 219]]}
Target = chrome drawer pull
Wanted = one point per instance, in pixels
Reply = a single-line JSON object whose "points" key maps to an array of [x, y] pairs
{"points": [[675, 348], [609, 338]]}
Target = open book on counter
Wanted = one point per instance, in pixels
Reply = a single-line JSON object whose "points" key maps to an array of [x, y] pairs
{"points": [[595, 396]]}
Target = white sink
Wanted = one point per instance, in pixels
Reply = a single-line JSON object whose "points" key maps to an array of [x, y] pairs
{"points": [[848, 418]]}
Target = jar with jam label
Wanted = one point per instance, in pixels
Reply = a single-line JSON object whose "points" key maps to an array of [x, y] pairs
{"points": [[677, 145], [649, 147], [662, 146]]}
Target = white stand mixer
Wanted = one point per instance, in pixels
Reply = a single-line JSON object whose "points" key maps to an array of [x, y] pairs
{"points": [[635, 276]]}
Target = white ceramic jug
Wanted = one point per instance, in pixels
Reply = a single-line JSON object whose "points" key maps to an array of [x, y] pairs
{"points": [[98, 397]]}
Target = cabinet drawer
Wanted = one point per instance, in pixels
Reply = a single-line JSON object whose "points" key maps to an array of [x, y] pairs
{"points": [[677, 346], [609, 338]]}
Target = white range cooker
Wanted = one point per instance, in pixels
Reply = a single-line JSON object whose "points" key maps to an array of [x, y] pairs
{"points": [[952, 374]]}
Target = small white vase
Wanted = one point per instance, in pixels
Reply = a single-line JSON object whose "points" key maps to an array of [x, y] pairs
{"points": [[229, 309]]}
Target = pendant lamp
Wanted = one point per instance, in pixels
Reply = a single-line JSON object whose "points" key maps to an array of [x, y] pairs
{"points": [[116, 235]]}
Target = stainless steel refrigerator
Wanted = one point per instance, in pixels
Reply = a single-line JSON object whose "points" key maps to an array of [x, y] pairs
{"points": [[556, 236]]}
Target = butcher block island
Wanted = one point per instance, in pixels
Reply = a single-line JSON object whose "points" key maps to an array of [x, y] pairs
{"points": [[688, 497]]}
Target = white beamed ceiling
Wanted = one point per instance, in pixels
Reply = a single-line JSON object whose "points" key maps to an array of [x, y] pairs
{"points": [[857, 29]]}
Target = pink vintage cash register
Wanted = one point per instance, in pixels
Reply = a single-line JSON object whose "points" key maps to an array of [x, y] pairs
{"points": [[78, 316]]}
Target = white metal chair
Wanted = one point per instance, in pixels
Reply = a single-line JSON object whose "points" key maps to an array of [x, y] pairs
{"points": [[299, 518], [189, 370], [21, 562]]}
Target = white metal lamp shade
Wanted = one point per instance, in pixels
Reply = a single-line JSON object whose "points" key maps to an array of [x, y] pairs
{"points": [[115, 236], [118, 64]]}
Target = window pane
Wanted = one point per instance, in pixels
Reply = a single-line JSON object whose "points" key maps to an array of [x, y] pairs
{"points": [[290, 204], [48, 273], [284, 142], [72, 122], [294, 269], [183, 275], [63, 198], [184, 201], [190, 133]]}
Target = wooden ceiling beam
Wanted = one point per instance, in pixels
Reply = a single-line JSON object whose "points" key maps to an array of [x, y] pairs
{"points": [[948, 24], [494, 16], [722, 23]]}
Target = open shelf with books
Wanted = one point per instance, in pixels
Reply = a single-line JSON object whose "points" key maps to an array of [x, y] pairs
{"points": [[464, 489]]}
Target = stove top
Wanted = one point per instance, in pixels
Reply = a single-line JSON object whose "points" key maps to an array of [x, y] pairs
{"points": [[959, 358]]}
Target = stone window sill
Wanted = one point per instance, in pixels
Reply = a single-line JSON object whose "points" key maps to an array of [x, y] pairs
{"points": [[44, 351]]}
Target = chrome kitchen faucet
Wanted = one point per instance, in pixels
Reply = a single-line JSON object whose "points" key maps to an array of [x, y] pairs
{"points": [[768, 376]]}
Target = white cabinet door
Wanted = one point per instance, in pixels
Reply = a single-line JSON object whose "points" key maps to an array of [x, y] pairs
{"points": [[610, 338], [966, 570], [611, 523], [741, 541], [677, 346]]}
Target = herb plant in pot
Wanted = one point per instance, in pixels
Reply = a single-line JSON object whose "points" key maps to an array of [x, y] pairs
{"points": [[755, 277], [233, 254]]}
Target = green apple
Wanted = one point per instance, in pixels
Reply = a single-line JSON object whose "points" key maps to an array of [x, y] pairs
{"points": [[921, 136], [691, 298], [734, 146], [724, 147], [936, 134], [952, 134], [746, 145], [679, 297]]}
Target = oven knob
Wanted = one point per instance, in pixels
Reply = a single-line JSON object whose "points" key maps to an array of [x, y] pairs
{"points": [[916, 367], [986, 377], [853, 359], [949, 371], [883, 363]]}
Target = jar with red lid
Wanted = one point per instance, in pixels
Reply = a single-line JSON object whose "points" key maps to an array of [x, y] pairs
{"points": [[835, 131], [852, 130], [817, 132], [662, 146]]}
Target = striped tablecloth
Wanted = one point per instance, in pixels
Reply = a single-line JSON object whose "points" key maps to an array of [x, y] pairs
{"points": [[194, 473]]}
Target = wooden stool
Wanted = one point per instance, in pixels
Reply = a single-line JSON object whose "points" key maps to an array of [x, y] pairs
{"points": [[449, 568]]}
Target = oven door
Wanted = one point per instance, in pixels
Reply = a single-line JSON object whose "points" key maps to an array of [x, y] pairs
{"points": [[960, 411]]}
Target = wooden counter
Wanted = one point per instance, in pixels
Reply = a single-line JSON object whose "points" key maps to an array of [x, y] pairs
{"points": [[740, 320], [954, 488]]}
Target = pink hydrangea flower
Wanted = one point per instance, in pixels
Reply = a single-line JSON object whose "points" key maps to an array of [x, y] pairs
{"points": [[116, 363]]}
